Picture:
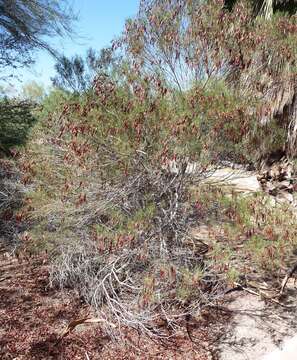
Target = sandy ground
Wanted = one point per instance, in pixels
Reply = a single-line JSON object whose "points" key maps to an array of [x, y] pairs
{"points": [[238, 180], [255, 329]]}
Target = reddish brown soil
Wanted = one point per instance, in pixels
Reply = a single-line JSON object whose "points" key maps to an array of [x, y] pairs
{"points": [[32, 317]]}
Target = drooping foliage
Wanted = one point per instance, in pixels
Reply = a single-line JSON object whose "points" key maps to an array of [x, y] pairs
{"points": [[187, 41], [28, 25], [77, 74]]}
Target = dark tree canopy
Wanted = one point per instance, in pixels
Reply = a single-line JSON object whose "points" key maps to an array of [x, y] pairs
{"points": [[266, 7], [16, 120], [27, 25]]}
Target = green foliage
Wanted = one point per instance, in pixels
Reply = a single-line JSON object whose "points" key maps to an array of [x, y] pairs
{"points": [[262, 236], [16, 120], [187, 42], [53, 102]]}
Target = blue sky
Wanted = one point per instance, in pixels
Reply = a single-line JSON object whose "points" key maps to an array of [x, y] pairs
{"points": [[99, 22]]}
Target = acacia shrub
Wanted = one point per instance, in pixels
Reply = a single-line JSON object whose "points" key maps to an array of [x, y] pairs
{"points": [[105, 206], [116, 220]]}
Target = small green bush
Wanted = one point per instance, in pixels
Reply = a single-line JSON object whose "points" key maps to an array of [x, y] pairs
{"points": [[16, 120]]}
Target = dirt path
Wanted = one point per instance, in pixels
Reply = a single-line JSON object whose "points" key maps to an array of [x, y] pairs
{"points": [[255, 329]]}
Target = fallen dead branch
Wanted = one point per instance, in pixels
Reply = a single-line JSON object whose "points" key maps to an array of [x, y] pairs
{"points": [[264, 296], [287, 277], [88, 320]]}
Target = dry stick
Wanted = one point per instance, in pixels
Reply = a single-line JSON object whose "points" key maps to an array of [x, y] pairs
{"points": [[73, 324], [265, 297], [287, 277]]}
